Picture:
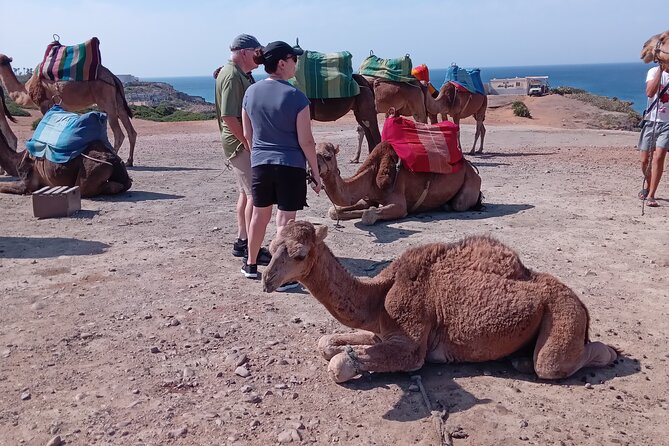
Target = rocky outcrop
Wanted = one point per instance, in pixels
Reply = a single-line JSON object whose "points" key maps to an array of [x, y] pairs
{"points": [[155, 93]]}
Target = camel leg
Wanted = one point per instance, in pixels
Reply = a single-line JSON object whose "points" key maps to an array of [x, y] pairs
{"points": [[391, 211], [15, 187], [331, 345], [468, 195], [132, 136], [433, 118], [482, 132], [365, 113], [389, 356], [348, 212], [561, 351], [361, 135], [112, 118]]}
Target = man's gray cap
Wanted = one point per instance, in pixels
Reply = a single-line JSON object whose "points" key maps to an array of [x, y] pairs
{"points": [[244, 41]]}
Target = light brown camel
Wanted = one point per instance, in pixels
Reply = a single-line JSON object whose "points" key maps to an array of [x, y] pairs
{"points": [[656, 48], [97, 171], [459, 105], [469, 301], [5, 129], [106, 91], [380, 190], [406, 99], [328, 110]]}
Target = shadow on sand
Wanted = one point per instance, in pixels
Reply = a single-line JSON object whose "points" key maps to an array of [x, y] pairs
{"points": [[168, 169], [46, 247], [488, 155], [137, 195]]}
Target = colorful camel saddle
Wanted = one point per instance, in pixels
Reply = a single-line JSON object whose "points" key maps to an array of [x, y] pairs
{"points": [[468, 79], [398, 70], [424, 147], [71, 63], [61, 136], [326, 75]]}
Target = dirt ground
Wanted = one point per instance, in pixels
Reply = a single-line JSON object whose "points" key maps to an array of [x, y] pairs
{"points": [[125, 324]]}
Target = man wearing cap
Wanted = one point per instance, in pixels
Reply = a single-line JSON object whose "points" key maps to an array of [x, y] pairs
{"points": [[231, 83]]}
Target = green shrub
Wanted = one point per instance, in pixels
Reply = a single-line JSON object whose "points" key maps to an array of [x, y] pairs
{"points": [[520, 109], [14, 109], [168, 113]]}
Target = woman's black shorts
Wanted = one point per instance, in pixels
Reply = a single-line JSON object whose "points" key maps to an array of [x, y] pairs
{"points": [[284, 186]]}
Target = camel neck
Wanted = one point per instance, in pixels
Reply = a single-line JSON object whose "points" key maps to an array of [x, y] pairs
{"points": [[347, 192], [353, 302], [9, 159], [15, 89]]}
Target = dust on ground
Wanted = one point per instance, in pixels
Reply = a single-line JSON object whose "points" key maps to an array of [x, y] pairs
{"points": [[126, 323]]}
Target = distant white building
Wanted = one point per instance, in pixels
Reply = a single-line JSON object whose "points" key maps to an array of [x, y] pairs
{"points": [[127, 78], [518, 85]]}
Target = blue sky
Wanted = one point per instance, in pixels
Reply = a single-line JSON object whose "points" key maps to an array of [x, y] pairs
{"points": [[190, 38]]}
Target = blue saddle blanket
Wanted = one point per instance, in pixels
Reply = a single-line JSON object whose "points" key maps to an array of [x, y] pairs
{"points": [[61, 136], [469, 78]]}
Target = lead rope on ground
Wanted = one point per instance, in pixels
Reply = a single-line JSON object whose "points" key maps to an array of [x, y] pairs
{"points": [[438, 417]]}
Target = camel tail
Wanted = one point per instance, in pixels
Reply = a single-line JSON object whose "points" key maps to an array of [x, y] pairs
{"points": [[121, 92], [4, 106]]}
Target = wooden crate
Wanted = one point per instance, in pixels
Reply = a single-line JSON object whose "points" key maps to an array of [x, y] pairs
{"points": [[59, 201]]}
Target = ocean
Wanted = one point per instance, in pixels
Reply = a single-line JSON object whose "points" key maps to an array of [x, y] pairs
{"points": [[625, 81]]}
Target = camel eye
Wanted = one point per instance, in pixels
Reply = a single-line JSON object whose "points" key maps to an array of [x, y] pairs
{"points": [[327, 157], [299, 257]]}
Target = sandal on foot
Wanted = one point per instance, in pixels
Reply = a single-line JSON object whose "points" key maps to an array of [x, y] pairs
{"points": [[651, 203], [643, 193]]}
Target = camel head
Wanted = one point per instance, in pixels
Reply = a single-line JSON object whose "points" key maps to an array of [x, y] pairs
{"points": [[326, 156], [656, 48], [4, 60], [292, 254]]}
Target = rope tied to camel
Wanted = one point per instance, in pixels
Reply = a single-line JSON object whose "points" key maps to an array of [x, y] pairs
{"points": [[354, 358]]}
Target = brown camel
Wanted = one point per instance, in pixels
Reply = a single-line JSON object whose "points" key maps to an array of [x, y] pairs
{"points": [[106, 91], [469, 301], [361, 135], [406, 99], [656, 49], [5, 129], [380, 190], [97, 171], [461, 104]]}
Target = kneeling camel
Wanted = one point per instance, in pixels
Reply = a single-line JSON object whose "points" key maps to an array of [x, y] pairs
{"points": [[97, 171], [470, 301], [380, 190]]}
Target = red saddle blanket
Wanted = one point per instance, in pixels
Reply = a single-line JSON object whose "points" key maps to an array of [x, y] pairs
{"points": [[424, 147]]}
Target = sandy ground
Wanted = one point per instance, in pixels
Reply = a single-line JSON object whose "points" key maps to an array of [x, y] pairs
{"points": [[87, 300]]}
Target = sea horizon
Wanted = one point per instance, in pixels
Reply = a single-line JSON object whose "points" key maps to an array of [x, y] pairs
{"points": [[625, 80]]}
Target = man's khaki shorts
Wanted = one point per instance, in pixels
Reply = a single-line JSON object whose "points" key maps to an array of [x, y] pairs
{"points": [[241, 165], [657, 132]]}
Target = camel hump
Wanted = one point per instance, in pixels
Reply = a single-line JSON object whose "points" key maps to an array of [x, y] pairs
{"points": [[491, 256]]}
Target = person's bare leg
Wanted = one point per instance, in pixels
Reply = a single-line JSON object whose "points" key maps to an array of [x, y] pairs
{"points": [[282, 219], [657, 170], [243, 217], [257, 229], [645, 156]]}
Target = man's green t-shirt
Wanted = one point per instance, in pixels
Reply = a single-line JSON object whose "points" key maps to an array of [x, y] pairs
{"points": [[231, 84]]}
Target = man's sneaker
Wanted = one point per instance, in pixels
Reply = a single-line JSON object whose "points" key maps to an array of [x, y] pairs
{"points": [[264, 257], [239, 248], [288, 286], [250, 271]]}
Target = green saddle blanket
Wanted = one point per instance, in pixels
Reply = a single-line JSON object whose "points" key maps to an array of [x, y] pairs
{"points": [[398, 70], [326, 75]]}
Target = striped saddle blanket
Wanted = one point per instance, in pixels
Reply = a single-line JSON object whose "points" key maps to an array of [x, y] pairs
{"points": [[398, 70], [465, 78], [62, 136], [424, 147], [326, 75], [71, 63]]}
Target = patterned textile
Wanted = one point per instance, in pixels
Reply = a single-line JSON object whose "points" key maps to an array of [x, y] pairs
{"points": [[398, 70], [467, 78], [71, 63], [326, 75], [61, 136], [424, 147]]}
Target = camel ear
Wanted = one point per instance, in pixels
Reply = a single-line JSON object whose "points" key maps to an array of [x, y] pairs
{"points": [[648, 51], [385, 178], [321, 232], [337, 149]]}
